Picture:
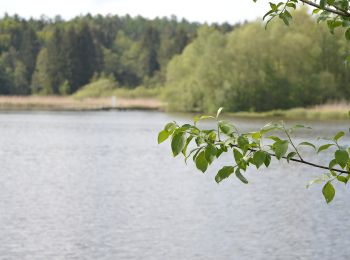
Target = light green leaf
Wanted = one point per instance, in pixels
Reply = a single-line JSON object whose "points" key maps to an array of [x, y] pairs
{"points": [[198, 118], [259, 158], [338, 135], [226, 127], [242, 142], [316, 11], [342, 179], [162, 136], [324, 147], [328, 192], [170, 127], [342, 157], [308, 144], [280, 148]]}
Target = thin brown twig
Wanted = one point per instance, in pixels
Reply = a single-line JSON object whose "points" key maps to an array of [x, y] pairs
{"points": [[304, 162]]}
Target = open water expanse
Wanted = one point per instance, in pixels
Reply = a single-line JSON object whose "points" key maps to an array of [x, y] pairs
{"points": [[95, 185]]}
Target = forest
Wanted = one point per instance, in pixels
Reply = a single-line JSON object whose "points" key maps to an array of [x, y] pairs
{"points": [[197, 67], [56, 57]]}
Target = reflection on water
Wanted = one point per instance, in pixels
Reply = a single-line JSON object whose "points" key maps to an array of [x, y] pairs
{"points": [[97, 186]]}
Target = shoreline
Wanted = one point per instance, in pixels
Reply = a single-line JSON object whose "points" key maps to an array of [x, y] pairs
{"points": [[336, 111], [68, 103]]}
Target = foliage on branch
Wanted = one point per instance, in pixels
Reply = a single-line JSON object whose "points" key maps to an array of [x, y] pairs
{"points": [[253, 149], [273, 141], [334, 12]]}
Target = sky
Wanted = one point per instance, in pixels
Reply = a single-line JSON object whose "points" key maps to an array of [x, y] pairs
{"points": [[231, 11]]}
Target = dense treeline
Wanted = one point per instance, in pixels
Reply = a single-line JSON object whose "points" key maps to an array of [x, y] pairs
{"points": [[53, 56], [240, 67], [252, 68]]}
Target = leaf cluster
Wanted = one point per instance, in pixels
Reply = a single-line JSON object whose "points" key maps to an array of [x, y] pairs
{"points": [[252, 150]]}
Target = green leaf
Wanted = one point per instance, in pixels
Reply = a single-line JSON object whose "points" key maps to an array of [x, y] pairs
{"points": [[240, 176], [210, 153], [267, 160], [275, 138], [342, 157], [198, 118], [242, 142], [322, 3], [212, 136], [308, 144], [291, 5], [291, 155], [178, 143], [328, 192], [219, 152], [347, 34], [170, 127], [162, 136], [237, 155], [268, 13], [342, 179], [316, 11], [189, 139], [256, 135], [285, 18], [324, 147], [226, 127], [273, 6], [338, 135], [201, 162], [331, 165], [280, 148], [259, 158], [224, 173]]}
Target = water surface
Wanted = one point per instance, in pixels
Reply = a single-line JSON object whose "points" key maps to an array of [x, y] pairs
{"points": [[95, 185]]}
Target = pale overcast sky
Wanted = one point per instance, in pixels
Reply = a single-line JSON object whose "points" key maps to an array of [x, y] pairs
{"points": [[194, 10]]}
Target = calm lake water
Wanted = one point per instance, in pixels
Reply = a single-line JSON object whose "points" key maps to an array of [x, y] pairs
{"points": [[95, 185]]}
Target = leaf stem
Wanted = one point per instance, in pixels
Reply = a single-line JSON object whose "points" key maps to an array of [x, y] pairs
{"points": [[291, 142]]}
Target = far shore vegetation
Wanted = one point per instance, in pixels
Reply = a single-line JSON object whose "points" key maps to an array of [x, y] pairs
{"points": [[168, 64]]}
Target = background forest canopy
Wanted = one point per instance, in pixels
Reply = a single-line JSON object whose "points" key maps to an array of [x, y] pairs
{"points": [[195, 67], [53, 56]]}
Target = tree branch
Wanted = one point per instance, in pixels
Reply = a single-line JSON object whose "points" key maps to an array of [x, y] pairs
{"points": [[337, 10], [303, 162]]}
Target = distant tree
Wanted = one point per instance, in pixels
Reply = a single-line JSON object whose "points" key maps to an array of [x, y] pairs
{"points": [[150, 43], [41, 82], [56, 64]]}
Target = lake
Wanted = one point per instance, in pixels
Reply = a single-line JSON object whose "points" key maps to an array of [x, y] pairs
{"points": [[95, 185]]}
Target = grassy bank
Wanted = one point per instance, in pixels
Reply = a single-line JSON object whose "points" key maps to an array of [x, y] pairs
{"points": [[336, 111], [71, 103]]}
